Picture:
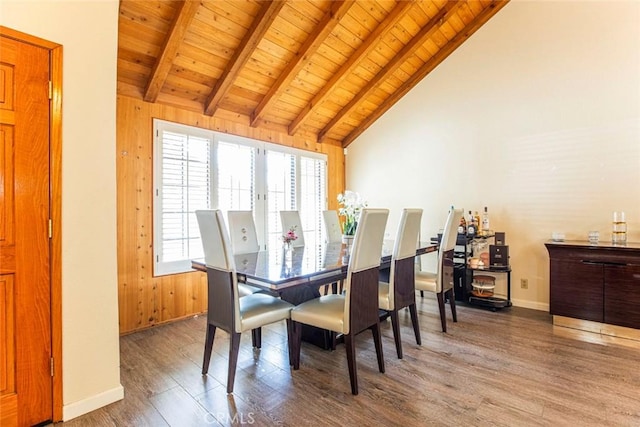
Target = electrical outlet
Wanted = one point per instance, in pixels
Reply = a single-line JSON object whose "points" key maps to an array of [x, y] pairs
{"points": [[524, 283]]}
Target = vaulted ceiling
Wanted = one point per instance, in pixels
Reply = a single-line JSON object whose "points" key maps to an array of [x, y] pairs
{"points": [[321, 69]]}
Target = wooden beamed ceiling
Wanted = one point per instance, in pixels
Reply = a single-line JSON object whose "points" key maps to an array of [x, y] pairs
{"points": [[324, 70]]}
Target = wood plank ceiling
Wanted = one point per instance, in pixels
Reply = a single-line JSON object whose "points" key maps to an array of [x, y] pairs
{"points": [[321, 69]]}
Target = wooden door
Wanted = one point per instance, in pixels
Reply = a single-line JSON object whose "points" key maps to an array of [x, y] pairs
{"points": [[26, 391]]}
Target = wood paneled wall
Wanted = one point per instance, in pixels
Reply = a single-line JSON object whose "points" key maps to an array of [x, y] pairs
{"points": [[145, 300]]}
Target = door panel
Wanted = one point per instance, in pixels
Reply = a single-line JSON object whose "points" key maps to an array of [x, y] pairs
{"points": [[577, 289], [622, 295], [25, 281]]}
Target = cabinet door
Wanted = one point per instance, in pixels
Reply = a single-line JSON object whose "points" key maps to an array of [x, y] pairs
{"points": [[577, 289], [622, 295]]}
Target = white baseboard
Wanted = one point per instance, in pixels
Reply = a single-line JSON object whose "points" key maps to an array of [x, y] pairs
{"points": [[530, 304], [92, 403]]}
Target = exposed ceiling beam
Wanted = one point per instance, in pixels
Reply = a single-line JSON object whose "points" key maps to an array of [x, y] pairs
{"points": [[267, 14], [310, 46], [428, 66], [186, 12], [354, 60], [408, 50]]}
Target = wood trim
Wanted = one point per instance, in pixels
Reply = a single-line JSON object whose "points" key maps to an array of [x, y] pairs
{"points": [[27, 38], [56, 218], [55, 143]]}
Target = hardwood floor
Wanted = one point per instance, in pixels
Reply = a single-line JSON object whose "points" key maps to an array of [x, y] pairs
{"points": [[509, 368]]}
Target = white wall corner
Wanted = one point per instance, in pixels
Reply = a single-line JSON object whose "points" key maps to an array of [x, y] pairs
{"points": [[92, 403]]}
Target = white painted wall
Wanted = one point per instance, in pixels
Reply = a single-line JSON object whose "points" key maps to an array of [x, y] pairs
{"points": [[536, 116], [88, 31]]}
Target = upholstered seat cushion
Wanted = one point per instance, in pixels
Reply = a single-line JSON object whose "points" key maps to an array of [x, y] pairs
{"points": [[384, 302], [244, 290], [257, 310], [426, 281], [326, 312]]}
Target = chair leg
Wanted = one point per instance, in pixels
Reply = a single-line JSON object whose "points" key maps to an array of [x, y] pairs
{"points": [[290, 340], [452, 303], [377, 340], [208, 346], [234, 347], [330, 339], [443, 317], [414, 321], [351, 361], [297, 343], [256, 337], [395, 325]]}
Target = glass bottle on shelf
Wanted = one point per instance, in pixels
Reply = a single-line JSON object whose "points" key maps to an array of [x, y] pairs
{"points": [[476, 221], [462, 228], [485, 221], [471, 227]]}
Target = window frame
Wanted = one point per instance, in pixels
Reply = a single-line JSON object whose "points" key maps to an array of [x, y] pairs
{"points": [[259, 202]]}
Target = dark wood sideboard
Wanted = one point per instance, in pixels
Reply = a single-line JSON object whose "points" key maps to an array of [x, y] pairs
{"points": [[596, 282]]}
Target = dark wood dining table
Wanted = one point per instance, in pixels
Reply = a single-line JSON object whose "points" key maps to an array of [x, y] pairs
{"points": [[310, 267]]}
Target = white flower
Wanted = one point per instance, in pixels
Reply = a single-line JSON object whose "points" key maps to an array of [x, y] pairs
{"points": [[352, 204]]}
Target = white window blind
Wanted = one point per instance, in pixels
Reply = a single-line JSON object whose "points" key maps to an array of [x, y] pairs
{"points": [[200, 169], [281, 191], [184, 171], [313, 198], [235, 176]]}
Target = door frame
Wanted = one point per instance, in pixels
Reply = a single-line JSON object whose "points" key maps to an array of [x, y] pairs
{"points": [[55, 203]]}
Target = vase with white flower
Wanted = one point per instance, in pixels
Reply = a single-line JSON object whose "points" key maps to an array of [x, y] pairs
{"points": [[350, 206], [287, 244]]}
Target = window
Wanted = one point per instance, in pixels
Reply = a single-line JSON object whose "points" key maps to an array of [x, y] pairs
{"points": [[200, 169]]}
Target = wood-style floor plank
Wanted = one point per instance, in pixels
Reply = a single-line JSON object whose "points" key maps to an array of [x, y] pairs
{"points": [[505, 368]]}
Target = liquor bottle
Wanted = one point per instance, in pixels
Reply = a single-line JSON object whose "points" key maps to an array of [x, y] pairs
{"points": [[476, 220], [462, 228], [485, 221], [471, 227]]}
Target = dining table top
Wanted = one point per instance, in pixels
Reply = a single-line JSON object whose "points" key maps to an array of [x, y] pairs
{"points": [[311, 264]]}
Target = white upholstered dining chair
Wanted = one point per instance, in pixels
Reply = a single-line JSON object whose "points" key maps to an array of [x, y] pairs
{"points": [[332, 226], [355, 310], [334, 235], [244, 240], [291, 219], [400, 291], [226, 310], [441, 282]]}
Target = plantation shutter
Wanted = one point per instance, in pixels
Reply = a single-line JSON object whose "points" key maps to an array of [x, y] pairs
{"points": [[313, 198], [185, 173], [235, 177]]}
